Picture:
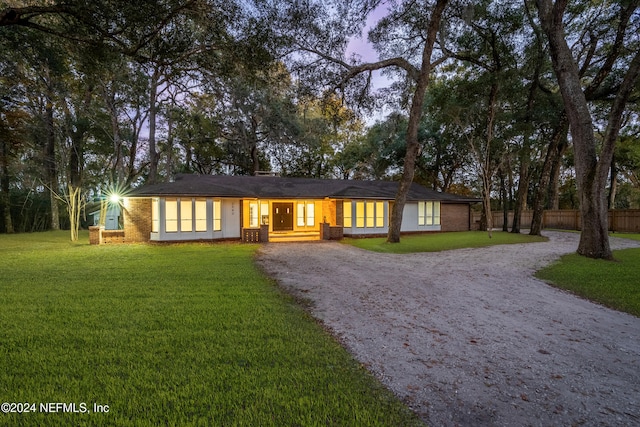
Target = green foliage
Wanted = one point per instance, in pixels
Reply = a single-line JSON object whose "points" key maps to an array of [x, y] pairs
{"points": [[238, 86], [186, 334], [627, 156], [30, 211], [437, 242], [611, 283]]}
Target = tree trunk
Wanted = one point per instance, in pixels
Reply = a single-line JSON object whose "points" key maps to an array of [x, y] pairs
{"points": [[591, 172], [613, 184], [505, 202], [153, 109], [118, 166], [415, 114], [594, 239], [255, 159], [486, 204], [5, 190], [169, 165], [487, 170], [547, 183], [525, 153], [78, 134], [50, 165], [553, 190], [523, 186], [118, 162], [521, 196]]}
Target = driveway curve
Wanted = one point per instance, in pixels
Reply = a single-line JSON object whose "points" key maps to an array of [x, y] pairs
{"points": [[470, 337]]}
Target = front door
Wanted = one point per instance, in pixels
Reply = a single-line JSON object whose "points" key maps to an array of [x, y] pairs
{"points": [[282, 216]]}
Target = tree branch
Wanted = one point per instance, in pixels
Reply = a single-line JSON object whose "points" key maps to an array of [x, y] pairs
{"points": [[354, 70], [26, 17], [625, 16]]}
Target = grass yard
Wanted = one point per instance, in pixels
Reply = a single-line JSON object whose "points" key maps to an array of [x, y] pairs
{"points": [[442, 241], [632, 236], [172, 335], [615, 284]]}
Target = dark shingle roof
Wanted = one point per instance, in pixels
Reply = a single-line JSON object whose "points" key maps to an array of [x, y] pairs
{"points": [[270, 187]]}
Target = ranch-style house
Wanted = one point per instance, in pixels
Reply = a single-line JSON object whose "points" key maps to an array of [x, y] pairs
{"points": [[277, 209]]}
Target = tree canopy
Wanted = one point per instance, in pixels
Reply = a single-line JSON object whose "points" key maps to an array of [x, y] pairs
{"points": [[480, 98]]}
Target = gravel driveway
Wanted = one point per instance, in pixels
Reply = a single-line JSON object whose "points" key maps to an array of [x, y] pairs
{"points": [[469, 337]]}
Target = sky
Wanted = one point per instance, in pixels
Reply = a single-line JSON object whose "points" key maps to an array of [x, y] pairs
{"points": [[362, 47]]}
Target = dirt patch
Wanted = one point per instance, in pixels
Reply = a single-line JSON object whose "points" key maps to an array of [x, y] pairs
{"points": [[470, 337]]}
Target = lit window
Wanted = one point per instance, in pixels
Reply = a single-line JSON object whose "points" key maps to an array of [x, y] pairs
{"points": [[369, 215], [428, 213], [171, 216], [155, 215], [311, 214], [217, 217], [186, 215], [253, 214], [305, 214], [421, 213], [264, 213], [379, 214], [201, 215], [346, 207], [360, 214], [300, 215]]}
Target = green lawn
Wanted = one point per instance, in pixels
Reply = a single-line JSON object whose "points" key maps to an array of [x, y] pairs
{"points": [[632, 236], [442, 241], [615, 284], [172, 335]]}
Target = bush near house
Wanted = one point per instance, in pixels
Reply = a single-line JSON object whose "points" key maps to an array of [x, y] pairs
{"points": [[168, 335]]}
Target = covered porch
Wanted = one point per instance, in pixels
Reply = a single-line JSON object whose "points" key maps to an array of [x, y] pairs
{"points": [[290, 220]]}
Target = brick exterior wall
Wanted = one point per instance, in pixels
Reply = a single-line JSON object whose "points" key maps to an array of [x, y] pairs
{"points": [[112, 236], [94, 234], [455, 216], [137, 219], [336, 233], [339, 213]]}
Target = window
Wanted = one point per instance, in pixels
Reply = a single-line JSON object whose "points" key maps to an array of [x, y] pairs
{"points": [[346, 208], [171, 216], [306, 214], [186, 215], [300, 215], [369, 214], [201, 215], [253, 214], [311, 214], [155, 215], [379, 214], [217, 215], [428, 213], [360, 214], [264, 213]]}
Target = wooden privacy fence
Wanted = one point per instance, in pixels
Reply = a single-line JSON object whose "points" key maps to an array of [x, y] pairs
{"points": [[621, 220]]}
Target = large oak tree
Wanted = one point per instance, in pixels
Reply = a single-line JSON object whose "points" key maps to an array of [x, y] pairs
{"points": [[405, 40], [592, 163]]}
